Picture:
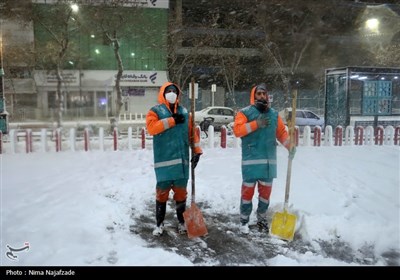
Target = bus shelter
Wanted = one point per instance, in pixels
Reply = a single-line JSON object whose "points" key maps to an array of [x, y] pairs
{"points": [[362, 96]]}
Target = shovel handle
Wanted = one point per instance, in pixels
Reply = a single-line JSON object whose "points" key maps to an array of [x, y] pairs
{"points": [[192, 133], [291, 145]]}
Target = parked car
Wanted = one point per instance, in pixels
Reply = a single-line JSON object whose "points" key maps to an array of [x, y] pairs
{"points": [[304, 118], [218, 116]]}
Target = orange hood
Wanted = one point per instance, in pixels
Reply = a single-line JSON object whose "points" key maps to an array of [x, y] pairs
{"points": [[161, 97], [253, 93]]}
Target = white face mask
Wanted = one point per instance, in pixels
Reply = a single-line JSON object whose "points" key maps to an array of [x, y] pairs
{"points": [[171, 97]]}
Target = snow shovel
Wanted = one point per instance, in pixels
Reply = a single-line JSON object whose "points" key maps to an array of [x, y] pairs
{"points": [[284, 223], [194, 220]]}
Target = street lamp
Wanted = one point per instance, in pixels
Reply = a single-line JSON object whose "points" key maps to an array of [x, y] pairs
{"points": [[74, 8], [372, 25], [213, 90]]}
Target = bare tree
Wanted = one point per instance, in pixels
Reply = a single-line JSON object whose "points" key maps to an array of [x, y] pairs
{"points": [[228, 63], [108, 23], [181, 61], [56, 28], [209, 50], [115, 21], [17, 55], [289, 29], [230, 70], [53, 54]]}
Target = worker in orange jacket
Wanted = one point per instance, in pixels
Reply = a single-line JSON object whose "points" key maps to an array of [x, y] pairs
{"points": [[170, 124], [258, 126]]}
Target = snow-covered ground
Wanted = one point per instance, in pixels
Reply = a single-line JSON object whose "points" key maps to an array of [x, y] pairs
{"points": [[81, 208]]}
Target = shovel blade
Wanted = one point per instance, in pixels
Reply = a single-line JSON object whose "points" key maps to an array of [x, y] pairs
{"points": [[283, 225], [194, 221]]}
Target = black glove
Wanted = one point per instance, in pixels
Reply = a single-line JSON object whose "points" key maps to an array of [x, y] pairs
{"points": [[261, 105], [195, 160], [179, 118], [262, 121]]}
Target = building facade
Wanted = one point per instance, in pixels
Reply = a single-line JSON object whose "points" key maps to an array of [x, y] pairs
{"points": [[229, 43], [89, 66]]}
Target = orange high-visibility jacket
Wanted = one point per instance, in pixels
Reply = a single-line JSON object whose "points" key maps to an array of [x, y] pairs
{"points": [[170, 140], [259, 144]]}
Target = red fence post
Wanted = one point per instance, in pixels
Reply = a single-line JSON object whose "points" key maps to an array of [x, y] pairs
{"points": [[86, 139], [57, 142], [359, 135], [338, 135], [30, 141], [143, 138], [396, 138], [115, 134], [379, 136], [55, 139], [26, 141], [317, 136], [223, 137]]}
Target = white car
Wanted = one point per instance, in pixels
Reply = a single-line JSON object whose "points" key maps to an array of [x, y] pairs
{"points": [[217, 115], [304, 118]]}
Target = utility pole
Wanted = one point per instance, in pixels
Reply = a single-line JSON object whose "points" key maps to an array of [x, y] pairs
{"points": [[3, 112]]}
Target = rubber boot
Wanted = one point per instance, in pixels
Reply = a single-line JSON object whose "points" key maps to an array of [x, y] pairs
{"points": [[160, 212], [180, 208]]}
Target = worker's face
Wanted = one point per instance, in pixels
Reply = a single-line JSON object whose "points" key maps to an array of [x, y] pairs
{"points": [[261, 95]]}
